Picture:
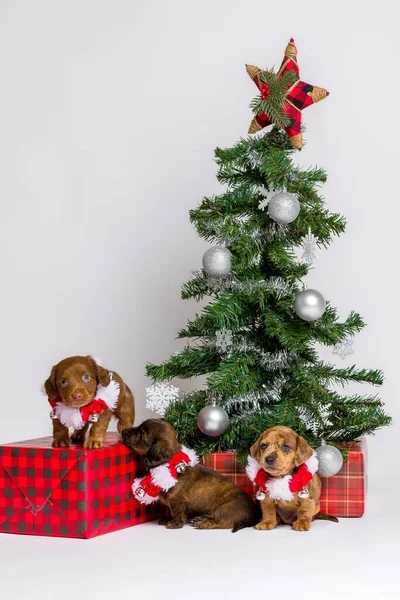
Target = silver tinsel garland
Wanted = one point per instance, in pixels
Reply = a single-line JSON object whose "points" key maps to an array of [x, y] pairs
{"points": [[278, 285], [254, 401]]}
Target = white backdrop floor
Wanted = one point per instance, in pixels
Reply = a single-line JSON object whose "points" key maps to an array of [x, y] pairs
{"points": [[357, 558]]}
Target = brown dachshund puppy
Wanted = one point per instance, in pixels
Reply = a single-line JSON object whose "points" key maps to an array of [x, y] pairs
{"points": [[211, 500], [74, 380], [279, 451]]}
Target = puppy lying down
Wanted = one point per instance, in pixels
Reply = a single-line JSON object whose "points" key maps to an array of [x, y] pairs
{"points": [[209, 499]]}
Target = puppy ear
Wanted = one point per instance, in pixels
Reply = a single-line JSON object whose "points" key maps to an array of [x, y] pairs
{"points": [[102, 374], [50, 384], [158, 454], [255, 449], [303, 451]]}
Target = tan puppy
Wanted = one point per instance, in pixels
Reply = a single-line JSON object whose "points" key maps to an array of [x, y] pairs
{"points": [[74, 380], [279, 451]]}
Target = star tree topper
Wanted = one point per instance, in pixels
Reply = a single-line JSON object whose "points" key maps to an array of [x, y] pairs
{"points": [[295, 96]]}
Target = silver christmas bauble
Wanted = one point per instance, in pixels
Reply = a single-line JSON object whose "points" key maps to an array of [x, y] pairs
{"points": [[53, 415], [217, 261], [213, 420], [330, 460], [284, 208], [93, 418], [309, 305]]}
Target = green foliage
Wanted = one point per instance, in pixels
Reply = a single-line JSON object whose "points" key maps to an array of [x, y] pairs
{"points": [[273, 104], [272, 374]]}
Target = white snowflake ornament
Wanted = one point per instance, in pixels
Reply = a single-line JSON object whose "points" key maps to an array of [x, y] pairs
{"points": [[159, 396], [262, 205], [223, 339], [344, 348], [309, 247]]}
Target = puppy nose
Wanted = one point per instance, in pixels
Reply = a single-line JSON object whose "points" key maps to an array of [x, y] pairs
{"points": [[77, 396], [270, 460]]}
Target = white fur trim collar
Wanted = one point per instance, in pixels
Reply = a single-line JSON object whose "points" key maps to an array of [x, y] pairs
{"points": [[72, 417], [280, 488], [164, 477]]}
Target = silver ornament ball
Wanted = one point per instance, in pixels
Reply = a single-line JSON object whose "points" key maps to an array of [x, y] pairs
{"points": [[284, 208], [309, 305], [330, 460], [217, 261], [213, 420]]}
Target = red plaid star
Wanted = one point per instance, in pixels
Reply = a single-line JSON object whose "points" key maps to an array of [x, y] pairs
{"points": [[298, 96]]}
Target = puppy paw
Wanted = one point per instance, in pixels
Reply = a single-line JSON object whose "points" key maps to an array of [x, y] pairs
{"points": [[163, 521], [174, 524], [203, 523], [77, 438], [301, 525], [266, 525], [62, 443], [92, 444]]}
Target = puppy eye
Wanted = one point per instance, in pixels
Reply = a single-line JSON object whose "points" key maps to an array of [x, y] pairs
{"points": [[86, 378], [63, 383], [286, 447], [263, 446]]}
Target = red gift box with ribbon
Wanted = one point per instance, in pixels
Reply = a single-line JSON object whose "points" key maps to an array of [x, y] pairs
{"points": [[343, 495], [69, 492]]}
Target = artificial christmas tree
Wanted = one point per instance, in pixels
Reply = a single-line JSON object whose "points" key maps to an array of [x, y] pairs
{"points": [[256, 338]]}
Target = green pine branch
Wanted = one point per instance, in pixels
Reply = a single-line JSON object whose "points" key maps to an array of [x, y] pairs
{"points": [[190, 362]]}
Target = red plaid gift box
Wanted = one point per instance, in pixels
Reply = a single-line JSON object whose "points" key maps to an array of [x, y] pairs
{"points": [[342, 495], [69, 492]]}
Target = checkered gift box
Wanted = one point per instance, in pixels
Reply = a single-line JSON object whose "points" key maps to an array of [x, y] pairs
{"points": [[342, 495], [227, 464], [69, 492]]}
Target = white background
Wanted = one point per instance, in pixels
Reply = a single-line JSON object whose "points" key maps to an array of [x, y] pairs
{"points": [[109, 114]]}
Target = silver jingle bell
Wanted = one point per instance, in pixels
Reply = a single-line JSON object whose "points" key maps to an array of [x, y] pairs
{"points": [[304, 493], [260, 495], [93, 418], [180, 467], [53, 415], [140, 492]]}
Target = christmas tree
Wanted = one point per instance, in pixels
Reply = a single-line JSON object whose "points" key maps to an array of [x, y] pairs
{"points": [[256, 339]]}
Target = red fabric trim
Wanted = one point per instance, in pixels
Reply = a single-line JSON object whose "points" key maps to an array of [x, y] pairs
{"points": [[154, 490], [261, 479], [95, 407], [300, 479]]}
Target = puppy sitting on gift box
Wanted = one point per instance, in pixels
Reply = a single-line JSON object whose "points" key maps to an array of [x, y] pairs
{"points": [[84, 394], [284, 468]]}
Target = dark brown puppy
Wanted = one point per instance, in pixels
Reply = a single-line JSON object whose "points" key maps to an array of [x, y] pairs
{"points": [[201, 494], [279, 451], [75, 380]]}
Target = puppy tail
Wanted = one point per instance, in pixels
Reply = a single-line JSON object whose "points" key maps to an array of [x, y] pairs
{"points": [[250, 522], [242, 524], [325, 517]]}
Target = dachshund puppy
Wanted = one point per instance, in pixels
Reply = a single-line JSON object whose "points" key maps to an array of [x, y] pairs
{"points": [[211, 500], [279, 451], [74, 381]]}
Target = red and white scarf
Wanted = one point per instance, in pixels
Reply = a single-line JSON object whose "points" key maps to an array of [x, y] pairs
{"points": [[162, 478], [106, 398], [281, 488]]}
